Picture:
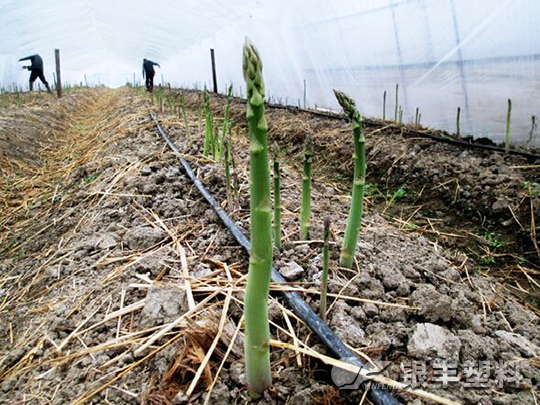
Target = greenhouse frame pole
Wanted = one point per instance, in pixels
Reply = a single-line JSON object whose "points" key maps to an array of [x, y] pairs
{"points": [[58, 79], [214, 76]]}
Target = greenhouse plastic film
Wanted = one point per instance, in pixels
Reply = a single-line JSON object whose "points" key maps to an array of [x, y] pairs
{"points": [[443, 54]]}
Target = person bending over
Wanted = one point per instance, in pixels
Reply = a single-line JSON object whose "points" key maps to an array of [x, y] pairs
{"points": [[36, 70], [149, 72]]}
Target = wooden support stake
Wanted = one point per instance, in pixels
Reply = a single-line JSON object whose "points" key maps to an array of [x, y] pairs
{"points": [[458, 130], [58, 79], [214, 76], [305, 91], [507, 133], [384, 108], [396, 107]]}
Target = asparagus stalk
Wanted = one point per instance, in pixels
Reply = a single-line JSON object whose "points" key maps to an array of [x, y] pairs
{"points": [[257, 348], [216, 143], [357, 204], [226, 121], [184, 117], [209, 127], [235, 182], [305, 210], [326, 257], [277, 199], [227, 149], [199, 120]]}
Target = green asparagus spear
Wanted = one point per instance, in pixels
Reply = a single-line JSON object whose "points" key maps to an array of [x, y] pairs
{"points": [[257, 349], [305, 209], [277, 199], [326, 259], [357, 204]]}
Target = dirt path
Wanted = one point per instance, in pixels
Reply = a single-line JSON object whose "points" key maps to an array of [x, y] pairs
{"points": [[115, 274]]}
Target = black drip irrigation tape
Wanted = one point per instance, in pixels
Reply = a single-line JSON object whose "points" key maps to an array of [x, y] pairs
{"points": [[408, 131], [378, 396], [466, 144]]}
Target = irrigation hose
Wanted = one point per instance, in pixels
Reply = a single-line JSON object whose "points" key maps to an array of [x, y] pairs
{"points": [[462, 143], [422, 134], [376, 395]]}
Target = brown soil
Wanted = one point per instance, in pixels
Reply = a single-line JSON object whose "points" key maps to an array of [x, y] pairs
{"points": [[103, 238]]}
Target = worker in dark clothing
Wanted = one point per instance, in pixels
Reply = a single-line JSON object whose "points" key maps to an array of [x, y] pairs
{"points": [[149, 72], [36, 69]]}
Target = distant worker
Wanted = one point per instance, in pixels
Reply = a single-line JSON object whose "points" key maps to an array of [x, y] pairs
{"points": [[148, 70], [36, 69]]}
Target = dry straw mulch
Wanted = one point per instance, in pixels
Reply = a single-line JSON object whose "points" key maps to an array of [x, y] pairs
{"points": [[78, 302]]}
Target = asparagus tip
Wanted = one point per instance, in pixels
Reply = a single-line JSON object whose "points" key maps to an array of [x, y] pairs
{"points": [[347, 103]]}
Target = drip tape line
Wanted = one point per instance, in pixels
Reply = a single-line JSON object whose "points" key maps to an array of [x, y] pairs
{"points": [[457, 142], [377, 395], [427, 135]]}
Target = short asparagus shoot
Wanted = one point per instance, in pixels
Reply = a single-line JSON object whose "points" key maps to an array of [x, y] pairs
{"points": [[209, 127], [186, 125], [326, 260], [257, 336], [305, 209], [277, 199], [228, 183], [199, 120], [226, 120], [354, 221]]}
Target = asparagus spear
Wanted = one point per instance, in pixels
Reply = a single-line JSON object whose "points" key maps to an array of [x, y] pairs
{"points": [[277, 199], [305, 210], [209, 127], [256, 348], [357, 204]]}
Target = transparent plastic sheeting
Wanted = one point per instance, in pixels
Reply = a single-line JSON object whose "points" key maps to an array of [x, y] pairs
{"points": [[444, 54]]}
